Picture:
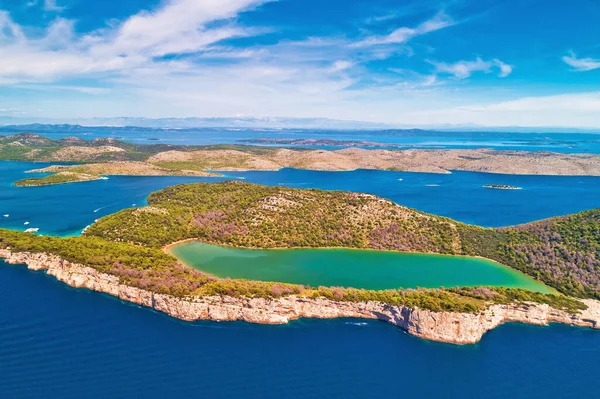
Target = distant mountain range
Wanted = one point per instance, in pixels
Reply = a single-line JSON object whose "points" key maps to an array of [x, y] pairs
{"points": [[40, 124]]}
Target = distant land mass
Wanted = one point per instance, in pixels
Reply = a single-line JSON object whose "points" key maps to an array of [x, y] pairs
{"points": [[320, 142], [102, 157], [271, 123]]}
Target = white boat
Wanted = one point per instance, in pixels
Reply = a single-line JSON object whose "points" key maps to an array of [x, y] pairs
{"points": [[32, 230], [26, 223], [7, 215]]}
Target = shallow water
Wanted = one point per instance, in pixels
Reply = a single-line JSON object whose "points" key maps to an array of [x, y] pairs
{"points": [[351, 268], [60, 342]]}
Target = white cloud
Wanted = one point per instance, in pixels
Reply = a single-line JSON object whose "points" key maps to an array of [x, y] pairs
{"points": [[181, 26], [9, 31], [312, 78], [50, 5], [341, 66], [579, 102], [581, 64], [505, 69], [568, 110], [404, 34], [464, 69]]}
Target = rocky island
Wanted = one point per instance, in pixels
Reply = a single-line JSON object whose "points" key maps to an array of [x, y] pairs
{"points": [[123, 255], [501, 187], [109, 156]]}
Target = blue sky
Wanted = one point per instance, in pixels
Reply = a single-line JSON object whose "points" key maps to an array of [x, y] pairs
{"points": [[496, 63]]}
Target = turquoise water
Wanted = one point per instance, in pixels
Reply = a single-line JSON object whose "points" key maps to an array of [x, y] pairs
{"points": [[374, 270]]}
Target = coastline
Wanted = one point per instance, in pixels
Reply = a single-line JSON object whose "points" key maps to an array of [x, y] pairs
{"points": [[449, 327], [214, 161], [56, 184], [217, 173]]}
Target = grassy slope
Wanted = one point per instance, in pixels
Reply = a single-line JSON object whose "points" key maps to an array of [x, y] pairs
{"points": [[562, 252]]}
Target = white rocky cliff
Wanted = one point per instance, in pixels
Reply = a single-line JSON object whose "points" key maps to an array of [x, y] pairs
{"points": [[458, 328]]}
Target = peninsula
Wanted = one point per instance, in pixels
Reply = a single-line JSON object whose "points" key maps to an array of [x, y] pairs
{"points": [[112, 157], [124, 255]]}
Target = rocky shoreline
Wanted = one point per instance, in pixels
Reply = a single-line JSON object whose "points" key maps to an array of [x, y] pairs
{"points": [[455, 328]]}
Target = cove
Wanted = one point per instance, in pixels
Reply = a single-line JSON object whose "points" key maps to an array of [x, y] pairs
{"points": [[367, 269]]}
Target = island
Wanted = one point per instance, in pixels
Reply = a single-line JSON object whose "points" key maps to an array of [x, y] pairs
{"points": [[319, 142], [127, 255], [108, 156], [57, 178], [501, 187]]}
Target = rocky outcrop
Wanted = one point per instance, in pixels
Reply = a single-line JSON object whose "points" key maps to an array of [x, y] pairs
{"points": [[457, 328]]}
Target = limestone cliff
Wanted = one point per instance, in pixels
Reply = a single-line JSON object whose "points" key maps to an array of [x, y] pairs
{"points": [[457, 328]]}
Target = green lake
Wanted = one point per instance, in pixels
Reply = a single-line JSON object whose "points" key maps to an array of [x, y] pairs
{"points": [[351, 268]]}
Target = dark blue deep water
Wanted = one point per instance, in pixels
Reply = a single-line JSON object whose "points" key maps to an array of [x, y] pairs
{"points": [[59, 342], [68, 208]]}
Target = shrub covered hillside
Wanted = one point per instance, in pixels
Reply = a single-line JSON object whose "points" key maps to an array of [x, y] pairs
{"points": [[562, 252], [153, 270], [565, 248], [250, 215]]}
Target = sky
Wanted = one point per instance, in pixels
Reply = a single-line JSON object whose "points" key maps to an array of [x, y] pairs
{"points": [[425, 62]]}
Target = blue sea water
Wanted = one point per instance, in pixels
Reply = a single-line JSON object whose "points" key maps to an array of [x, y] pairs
{"points": [[59, 342], [556, 142], [67, 209]]}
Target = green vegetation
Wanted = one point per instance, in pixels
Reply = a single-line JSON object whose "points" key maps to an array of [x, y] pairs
{"points": [[33, 147], [563, 253], [154, 270], [250, 215], [204, 164], [58, 178]]}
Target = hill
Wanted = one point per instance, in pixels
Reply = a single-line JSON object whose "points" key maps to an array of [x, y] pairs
{"points": [[108, 156], [562, 252]]}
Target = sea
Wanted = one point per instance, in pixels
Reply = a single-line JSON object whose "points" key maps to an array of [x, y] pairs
{"points": [[413, 138], [60, 342]]}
